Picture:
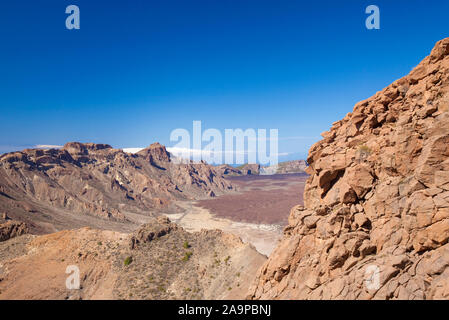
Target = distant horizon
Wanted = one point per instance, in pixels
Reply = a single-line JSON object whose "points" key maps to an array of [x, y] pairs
{"points": [[133, 150]]}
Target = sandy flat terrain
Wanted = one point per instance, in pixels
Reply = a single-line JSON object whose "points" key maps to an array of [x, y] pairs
{"points": [[261, 200], [263, 237], [257, 213]]}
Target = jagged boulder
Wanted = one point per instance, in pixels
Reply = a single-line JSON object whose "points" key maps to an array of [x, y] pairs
{"points": [[157, 228], [10, 229]]}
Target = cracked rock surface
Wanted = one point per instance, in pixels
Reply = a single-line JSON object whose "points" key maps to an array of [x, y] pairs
{"points": [[375, 224]]}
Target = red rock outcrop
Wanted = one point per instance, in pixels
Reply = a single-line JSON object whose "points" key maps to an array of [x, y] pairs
{"points": [[375, 224], [10, 229], [44, 187]]}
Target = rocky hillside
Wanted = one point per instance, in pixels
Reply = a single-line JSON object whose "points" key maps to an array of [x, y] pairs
{"points": [[158, 261], [85, 184], [10, 228], [243, 170], [286, 167], [375, 224]]}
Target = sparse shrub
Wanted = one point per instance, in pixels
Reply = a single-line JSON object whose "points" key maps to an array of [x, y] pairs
{"points": [[186, 245], [187, 256], [227, 259], [238, 274], [99, 243], [128, 261]]}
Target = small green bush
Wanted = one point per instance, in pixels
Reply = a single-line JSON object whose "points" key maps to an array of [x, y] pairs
{"points": [[187, 256], [128, 261], [186, 245]]}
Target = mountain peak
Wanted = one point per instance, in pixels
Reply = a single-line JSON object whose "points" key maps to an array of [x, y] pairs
{"points": [[156, 153]]}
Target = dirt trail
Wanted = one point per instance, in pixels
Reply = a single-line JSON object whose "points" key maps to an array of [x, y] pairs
{"points": [[263, 237]]}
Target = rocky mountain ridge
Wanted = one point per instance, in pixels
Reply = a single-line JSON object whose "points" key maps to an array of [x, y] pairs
{"points": [[84, 183]]}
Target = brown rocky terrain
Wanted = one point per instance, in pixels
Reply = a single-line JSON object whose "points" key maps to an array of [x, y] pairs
{"points": [[95, 185], [227, 170], [261, 199], [250, 168], [245, 169], [10, 229], [294, 166], [286, 167], [257, 213], [377, 199], [160, 260]]}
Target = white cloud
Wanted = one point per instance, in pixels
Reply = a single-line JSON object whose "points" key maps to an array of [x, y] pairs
{"points": [[132, 150], [47, 146], [195, 152]]}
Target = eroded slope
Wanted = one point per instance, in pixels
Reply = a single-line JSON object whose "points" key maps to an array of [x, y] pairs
{"points": [[96, 185], [158, 261]]}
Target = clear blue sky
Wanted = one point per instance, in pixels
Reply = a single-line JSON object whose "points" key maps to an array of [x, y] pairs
{"points": [[136, 70]]}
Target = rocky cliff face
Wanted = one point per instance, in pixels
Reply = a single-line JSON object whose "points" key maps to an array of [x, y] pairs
{"points": [[11, 229], [375, 224], [50, 189], [159, 260]]}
